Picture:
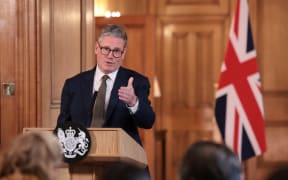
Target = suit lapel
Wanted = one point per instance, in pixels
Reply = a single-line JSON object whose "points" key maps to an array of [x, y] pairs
{"points": [[87, 88], [121, 80]]}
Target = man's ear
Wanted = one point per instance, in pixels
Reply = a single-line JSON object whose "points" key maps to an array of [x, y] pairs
{"points": [[96, 47], [124, 51]]}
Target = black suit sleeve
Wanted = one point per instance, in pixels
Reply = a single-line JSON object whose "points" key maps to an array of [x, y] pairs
{"points": [[144, 116], [66, 99]]}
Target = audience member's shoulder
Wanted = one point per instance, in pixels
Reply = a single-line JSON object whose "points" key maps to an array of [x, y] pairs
{"points": [[125, 171]]}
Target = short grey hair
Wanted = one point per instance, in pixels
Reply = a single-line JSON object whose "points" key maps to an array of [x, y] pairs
{"points": [[115, 31]]}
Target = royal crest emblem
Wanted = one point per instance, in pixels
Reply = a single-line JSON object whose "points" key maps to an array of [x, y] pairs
{"points": [[75, 142]]}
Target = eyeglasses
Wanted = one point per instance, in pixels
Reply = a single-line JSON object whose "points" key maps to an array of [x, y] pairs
{"points": [[115, 52]]}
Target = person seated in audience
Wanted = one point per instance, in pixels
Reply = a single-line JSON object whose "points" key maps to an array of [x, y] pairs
{"points": [[207, 160], [32, 155], [125, 171]]}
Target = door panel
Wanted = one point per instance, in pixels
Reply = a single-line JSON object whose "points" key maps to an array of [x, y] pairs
{"points": [[190, 49], [66, 36]]}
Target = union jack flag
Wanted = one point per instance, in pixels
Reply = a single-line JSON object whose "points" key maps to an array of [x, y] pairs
{"points": [[239, 106]]}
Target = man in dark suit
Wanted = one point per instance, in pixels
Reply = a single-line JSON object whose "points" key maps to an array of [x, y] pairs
{"points": [[126, 102]]}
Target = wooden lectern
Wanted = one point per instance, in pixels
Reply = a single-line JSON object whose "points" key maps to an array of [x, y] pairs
{"points": [[108, 145]]}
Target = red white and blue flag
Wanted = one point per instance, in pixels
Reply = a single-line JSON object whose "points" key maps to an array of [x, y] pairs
{"points": [[239, 106]]}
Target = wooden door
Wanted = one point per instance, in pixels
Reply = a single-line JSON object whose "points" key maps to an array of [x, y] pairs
{"points": [[18, 90], [191, 52], [8, 51], [66, 30]]}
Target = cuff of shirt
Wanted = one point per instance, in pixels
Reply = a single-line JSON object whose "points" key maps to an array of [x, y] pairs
{"points": [[134, 108]]}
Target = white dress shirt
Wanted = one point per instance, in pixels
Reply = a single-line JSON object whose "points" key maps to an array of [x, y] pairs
{"points": [[109, 82]]}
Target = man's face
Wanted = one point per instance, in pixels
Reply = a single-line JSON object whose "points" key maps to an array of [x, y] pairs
{"points": [[110, 53]]}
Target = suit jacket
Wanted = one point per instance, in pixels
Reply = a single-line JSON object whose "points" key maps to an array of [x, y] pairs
{"points": [[77, 102]]}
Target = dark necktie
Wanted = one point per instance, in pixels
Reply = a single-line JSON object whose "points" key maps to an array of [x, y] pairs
{"points": [[98, 117]]}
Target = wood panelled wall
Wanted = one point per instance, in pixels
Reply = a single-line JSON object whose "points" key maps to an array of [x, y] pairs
{"points": [[8, 51], [66, 29], [190, 42], [191, 49], [271, 35], [17, 65]]}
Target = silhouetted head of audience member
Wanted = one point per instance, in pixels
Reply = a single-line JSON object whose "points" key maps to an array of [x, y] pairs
{"points": [[279, 174], [32, 153], [125, 171], [207, 160]]}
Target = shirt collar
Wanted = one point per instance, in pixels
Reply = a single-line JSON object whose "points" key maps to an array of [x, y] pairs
{"points": [[99, 74]]}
